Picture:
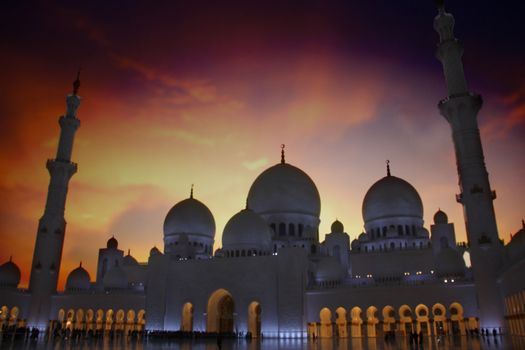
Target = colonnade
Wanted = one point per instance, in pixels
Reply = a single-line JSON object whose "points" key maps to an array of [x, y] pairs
{"points": [[102, 320], [435, 320], [515, 313]]}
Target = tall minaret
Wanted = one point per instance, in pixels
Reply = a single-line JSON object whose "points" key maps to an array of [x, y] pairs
{"points": [[460, 109], [52, 226]]}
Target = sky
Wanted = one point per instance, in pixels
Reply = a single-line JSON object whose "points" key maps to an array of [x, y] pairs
{"points": [[177, 93]]}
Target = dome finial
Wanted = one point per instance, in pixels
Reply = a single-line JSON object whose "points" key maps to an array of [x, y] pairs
{"points": [[282, 153], [76, 83], [80, 265], [387, 167], [11, 257], [247, 206], [522, 223], [191, 191], [129, 251]]}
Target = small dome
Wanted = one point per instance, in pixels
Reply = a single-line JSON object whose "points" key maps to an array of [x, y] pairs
{"points": [[363, 237], [189, 216], [112, 243], [284, 188], [115, 278], [246, 229], [154, 251], [337, 227], [440, 217], [78, 279], [449, 262], [423, 232], [129, 260], [328, 269], [391, 197], [9, 274]]}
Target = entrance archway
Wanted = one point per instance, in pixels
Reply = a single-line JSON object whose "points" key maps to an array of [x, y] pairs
{"points": [[220, 312], [422, 319], [187, 317], [326, 323], [356, 322], [405, 318], [456, 318], [341, 322], [389, 321], [440, 324], [254, 319], [372, 321]]}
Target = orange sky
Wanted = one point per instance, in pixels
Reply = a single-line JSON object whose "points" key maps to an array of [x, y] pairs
{"points": [[151, 128]]}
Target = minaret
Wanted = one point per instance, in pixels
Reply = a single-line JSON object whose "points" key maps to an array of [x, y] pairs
{"points": [[52, 226], [460, 109]]}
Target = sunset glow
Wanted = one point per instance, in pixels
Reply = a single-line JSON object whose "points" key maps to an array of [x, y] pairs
{"points": [[177, 95]]}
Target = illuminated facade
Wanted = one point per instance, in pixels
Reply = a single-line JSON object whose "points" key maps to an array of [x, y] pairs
{"points": [[273, 275]]}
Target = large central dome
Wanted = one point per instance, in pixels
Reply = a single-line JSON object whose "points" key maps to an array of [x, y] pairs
{"points": [[284, 188], [189, 216], [391, 197]]}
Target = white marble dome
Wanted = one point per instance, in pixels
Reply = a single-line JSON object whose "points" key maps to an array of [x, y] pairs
{"points": [[391, 197], [78, 279], [284, 188], [9, 274], [189, 216], [247, 230]]}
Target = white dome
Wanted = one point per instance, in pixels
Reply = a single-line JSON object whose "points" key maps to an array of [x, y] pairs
{"points": [[189, 216], [391, 197], [328, 269], [115, 278], [284, 188], [78, 279], [9, 274], [246, 230]]}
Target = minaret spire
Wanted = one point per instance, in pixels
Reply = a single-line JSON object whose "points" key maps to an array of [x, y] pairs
{"points": [[282, 153], [387, 167], [50, 235], [460, 109], [191, 191]]}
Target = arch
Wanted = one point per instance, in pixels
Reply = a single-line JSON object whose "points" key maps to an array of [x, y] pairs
{"points": [[220, 312], [14, 315], [4, 314], [440, 325], [254, 319], [187, 317], [99, 318], [70, 316], [325, 315], [372, 321], [456, 318], [61, 315], [141, 319], [282, 229], [291, 229], [423, 322], [109, 319], [341, 322], [356, 322], [79, 319], [119, 319], [405, 318], [90, 316], [389, 320]]}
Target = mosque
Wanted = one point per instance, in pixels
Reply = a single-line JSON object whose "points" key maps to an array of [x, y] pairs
{"points": [[272, 276]]}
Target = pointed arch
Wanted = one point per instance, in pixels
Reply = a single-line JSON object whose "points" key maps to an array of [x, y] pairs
{"points": [[422, 318], [341, 322], [254, 319], [325, 315], [220, 311], [405, 318], [187, 317], [439, 313], [389, 320], [372, 321], [357, 322], [456, 318]]}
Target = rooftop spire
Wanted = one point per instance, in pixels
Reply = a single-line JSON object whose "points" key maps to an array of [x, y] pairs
{"points": [[282, 153], [387, 167], [76, 83], [80, 265], [129, 251], [191, 191]]}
